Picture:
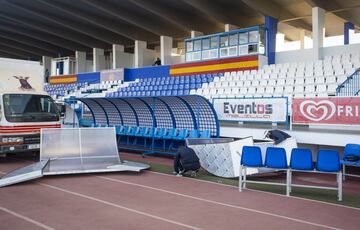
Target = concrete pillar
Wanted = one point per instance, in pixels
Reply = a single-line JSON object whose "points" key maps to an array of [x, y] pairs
{"points": [[117, 51], [302, 39], [47, 67], [140, 47], [347, 27], [80, 57], [98, 59], [271, 31], [318, 25], [165, 50], [195, 34], [228, 27]]}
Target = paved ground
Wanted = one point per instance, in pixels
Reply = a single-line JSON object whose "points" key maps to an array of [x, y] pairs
{"points": [[150, 200]]}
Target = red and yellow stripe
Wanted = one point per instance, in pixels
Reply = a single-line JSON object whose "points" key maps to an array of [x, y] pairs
{"points": [[63, 79], [25, 128], [221, 65]]}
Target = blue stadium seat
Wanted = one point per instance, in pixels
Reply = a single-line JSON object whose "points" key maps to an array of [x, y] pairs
{"points": [[276, 158], [159, 133], [170, 134], [251, 156], [351, 150], [301, 159], [181, 135], [328, 161], [193, 133], [150, 132], [205, 133]]}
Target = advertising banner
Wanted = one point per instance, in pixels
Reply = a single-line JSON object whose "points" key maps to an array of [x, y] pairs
{"points": [[332, 110], [251, 109]]}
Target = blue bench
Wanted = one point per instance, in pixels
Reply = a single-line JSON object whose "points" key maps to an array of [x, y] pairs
{"points": [[328, 162]]}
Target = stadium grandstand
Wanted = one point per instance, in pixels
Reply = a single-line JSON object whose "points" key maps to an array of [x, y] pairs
{"points": [[187, 114]]}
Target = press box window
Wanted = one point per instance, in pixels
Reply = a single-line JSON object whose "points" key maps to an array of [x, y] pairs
{"points": [[253, 36], [206, 44], [197, 45], [233, 39], [189, 46], [253, 48], [243, 38], [224, 41], [214, 42]]}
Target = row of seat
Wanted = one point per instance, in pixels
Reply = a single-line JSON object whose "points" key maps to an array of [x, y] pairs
{"points": [[328, 161], [269, 91], [275, 82], [160, 87], [162, 133], [183, 78], [152, 93], [317, 71]]}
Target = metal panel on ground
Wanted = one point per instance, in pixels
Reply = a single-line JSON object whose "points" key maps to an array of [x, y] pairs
{"points": [[74, 150], [27, 173]]}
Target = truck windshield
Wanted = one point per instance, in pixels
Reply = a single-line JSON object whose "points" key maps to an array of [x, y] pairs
{"points": [[29, 108]]}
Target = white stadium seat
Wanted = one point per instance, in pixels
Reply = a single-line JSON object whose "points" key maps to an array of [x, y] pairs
{"points": [[281, 81], [319, 80]]}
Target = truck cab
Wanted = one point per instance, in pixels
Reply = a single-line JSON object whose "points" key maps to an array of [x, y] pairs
{"points": [[22, 116]]}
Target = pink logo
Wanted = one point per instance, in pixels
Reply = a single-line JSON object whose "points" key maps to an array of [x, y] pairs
{"points": [[317, 111]]}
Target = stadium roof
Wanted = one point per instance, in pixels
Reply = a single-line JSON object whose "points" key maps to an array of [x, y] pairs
{"points": [[31, 29]]}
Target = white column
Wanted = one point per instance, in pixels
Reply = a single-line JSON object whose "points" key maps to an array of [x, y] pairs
{"points": [[228, 27], [80, 57], [98, 59], [318, 25], [195, 34], [140, 47], [165, 50], [302, 38], [47, 66], [117, 51]]}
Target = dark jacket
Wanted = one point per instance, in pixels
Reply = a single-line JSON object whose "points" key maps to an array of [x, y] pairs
{"points": [[277, 135], [188, 158]]}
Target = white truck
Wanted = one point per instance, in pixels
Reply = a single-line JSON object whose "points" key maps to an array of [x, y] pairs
{"points": [[24, 107]]}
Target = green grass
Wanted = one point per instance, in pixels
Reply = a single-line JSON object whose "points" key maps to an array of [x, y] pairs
{"points": [[351, 200]]}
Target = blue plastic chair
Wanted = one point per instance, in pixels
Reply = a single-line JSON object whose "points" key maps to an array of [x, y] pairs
{"points": [[181, 135], [159, 133], [351, 149], [251, 156], [193, 133], [276, 158], [170, 134], [328, 161], [205, 134], [301, 159]]}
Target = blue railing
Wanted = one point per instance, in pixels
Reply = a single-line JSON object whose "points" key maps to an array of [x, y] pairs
{"points": [[351, 86]]}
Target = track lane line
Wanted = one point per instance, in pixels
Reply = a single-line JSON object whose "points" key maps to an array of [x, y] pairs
{"points": [[18, 215], [218, 203], [118, 206], [259, 191]]}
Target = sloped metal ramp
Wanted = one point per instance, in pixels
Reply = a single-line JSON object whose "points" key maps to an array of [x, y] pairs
{"points": [[72, 151]]}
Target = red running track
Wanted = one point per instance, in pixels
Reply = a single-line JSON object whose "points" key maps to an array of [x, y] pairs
{"points": [[156, 201]]}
